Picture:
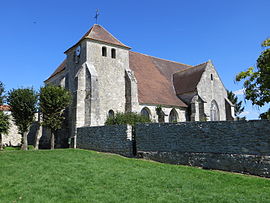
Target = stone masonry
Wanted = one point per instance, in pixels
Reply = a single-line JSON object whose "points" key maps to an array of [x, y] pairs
{"points": [[116, 139], [242, 146], [238, 146]]}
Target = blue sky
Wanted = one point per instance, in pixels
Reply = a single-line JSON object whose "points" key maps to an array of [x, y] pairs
{"points": [[34, 34]]}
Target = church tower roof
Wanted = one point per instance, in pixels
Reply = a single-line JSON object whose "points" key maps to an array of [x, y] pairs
{"points": [[98, 33]]}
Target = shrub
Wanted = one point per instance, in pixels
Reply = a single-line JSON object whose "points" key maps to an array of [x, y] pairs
{"points": [[130, 118]]}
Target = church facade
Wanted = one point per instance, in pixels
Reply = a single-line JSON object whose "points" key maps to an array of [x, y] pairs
{"points": [[106, 77]]}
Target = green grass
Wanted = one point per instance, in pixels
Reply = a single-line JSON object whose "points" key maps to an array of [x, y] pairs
{"points": [[30, 147], [85, 176]]}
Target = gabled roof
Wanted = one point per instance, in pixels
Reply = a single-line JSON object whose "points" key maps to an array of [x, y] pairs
{"points": [[4, 108], [187, 80], [154, 77], [59, 69], [99, 33]]}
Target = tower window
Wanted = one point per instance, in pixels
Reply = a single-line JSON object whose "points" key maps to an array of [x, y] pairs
{"points": [[211, 76], [111, 114], [113, 54], [104, 51]]}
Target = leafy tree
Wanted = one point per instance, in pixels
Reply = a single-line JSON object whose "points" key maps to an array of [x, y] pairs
{"points": [[53, 101], [257, 80], [4, 118], [2, 90], [4, 126], [23, 103], [238, 108], [130, 118]]}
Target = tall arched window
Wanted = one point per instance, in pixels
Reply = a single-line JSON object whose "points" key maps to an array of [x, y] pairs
{"points": [[173, 117], [104, 51], [214, 111], [111, 114], [145, 112], [113, 54]]}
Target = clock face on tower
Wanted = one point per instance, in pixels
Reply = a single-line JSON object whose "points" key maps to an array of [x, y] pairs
{"points": [[78, 51]]}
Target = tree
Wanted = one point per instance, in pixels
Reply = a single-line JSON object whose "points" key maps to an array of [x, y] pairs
{"points": [[4, 118], [238, 108], [4, 126], [23, 104], [257, 80], [2, 90], [53, 101], [130, 118]]}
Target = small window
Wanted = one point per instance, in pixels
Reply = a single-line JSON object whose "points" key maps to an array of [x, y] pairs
{"points": [[173, 117], [145, 112], [113, 53], [211, 76], [104, 51], [111, 114]]}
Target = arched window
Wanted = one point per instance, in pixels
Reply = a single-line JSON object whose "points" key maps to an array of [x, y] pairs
{"points": [[113, 54], [211, 76], [111, 114], [173, 117], [145, 112], [104, 51], [214, 111]]}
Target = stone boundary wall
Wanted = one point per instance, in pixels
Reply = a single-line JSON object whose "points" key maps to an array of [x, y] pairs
{"points": [[114, 139], [239, 146]]}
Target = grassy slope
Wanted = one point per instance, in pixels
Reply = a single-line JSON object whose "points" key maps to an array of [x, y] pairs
{"points": [[86, 176]]}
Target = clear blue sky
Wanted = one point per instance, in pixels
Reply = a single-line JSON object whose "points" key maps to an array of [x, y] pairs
{"points": [[34, 34]]}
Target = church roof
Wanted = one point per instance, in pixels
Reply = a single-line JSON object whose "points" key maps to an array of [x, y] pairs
{"points": [[59, 69], [99, 33], [154, 77], [187, 80]]}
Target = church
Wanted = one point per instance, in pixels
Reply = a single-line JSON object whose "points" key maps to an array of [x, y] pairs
{"points": [[106, 77]]}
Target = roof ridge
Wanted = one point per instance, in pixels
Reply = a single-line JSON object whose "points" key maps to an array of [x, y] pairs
{"points": [[92, 30], [180, 71], [110, 34], [163, 59]]}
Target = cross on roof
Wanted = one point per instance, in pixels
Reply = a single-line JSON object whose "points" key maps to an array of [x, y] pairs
{"points": [[96, 16]]}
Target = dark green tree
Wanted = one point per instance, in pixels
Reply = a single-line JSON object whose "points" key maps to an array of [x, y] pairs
{"points": [[130, 118], [257, 79], [238, 108], [4, 126], [4, 118], [53, 101], [2, 90], [23, 104]]}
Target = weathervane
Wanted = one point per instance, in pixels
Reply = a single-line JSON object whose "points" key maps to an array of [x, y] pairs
{"points": [[96, 16]]}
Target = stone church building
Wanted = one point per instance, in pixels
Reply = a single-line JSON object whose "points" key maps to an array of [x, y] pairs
{"points": [[106, 77]]}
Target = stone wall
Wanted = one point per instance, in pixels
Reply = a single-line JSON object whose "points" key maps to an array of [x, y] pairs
{"points": [[114, 139], [242, 146]]}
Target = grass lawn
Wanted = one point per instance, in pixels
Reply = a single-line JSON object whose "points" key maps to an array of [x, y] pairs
{"points": [[71, 175]]}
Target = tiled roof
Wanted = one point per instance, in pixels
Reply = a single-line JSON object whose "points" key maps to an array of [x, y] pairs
{"points": [[187, 80], [4, 108], [59, 69], [99, 33], [154, 77]]}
